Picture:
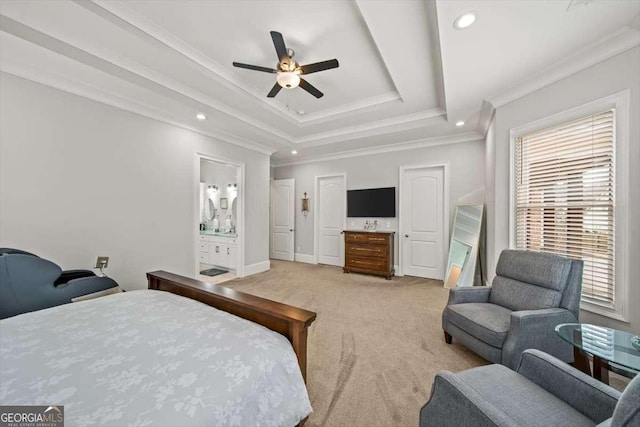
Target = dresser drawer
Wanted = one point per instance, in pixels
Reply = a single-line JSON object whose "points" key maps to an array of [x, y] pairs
{"points": [[204, 246], [366, 250], [366, 237], [374, 264], [204, 257]]}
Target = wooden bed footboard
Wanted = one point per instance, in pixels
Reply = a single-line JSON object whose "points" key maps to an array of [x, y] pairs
{"points": [[292, 322]]}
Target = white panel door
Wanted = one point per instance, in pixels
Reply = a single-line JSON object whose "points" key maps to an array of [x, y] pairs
{"points": [[422, 204], [331, 217], [282, 219]]}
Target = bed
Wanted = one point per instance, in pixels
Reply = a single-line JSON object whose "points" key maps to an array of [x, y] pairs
{"points": [[197, 354]]}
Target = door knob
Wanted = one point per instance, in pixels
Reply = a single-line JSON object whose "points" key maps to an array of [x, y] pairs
{"points": [[291, 229], [406, 235]]}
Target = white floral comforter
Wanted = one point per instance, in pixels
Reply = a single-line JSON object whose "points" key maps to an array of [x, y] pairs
{"points": [[150, 358]]}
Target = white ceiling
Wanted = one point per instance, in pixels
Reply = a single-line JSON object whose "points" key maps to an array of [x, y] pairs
{"points": [[405, 76]]}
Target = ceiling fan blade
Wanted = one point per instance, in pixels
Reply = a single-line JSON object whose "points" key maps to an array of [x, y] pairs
{"points": [[278, 42], [310, 88], [254, 67], [319, 66], [274, 90]]}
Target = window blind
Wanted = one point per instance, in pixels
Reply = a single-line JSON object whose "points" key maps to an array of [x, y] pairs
{"points": [[564, 201]]}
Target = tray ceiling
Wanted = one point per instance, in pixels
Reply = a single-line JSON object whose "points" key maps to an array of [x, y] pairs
{"points": [[405, 74]]}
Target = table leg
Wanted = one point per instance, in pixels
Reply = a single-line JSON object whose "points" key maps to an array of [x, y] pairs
{"points": [[581, 361], [600, 370]]}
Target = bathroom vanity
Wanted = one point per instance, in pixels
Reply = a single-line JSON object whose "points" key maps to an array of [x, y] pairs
{"points": [[219, 249]]}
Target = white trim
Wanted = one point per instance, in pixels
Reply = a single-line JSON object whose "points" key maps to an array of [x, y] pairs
{"points": [[306, 258], [445, 207], [616, 43], [316, 222], [256, 268], [405, 122], [620, 101], [388, 148], [347, 109], [240, 220]]}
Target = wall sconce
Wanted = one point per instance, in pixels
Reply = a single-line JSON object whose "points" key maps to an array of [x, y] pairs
{"points": [[305, 205], [233, 186], [212, 188]]}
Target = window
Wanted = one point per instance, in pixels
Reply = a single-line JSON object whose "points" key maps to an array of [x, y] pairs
{"points": [[565, 198]]}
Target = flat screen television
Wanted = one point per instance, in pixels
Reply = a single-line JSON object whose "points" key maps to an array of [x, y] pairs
{"points": [[372, 203]]}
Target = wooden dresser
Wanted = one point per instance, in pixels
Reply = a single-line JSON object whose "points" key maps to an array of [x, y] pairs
{"points": [[369, 252]]}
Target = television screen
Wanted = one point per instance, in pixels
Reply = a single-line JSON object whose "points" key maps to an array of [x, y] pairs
{"points": [[372, 203]]}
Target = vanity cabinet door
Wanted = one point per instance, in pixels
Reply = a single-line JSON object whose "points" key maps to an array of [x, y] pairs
{"points": [[217, 254], [232, 257]]}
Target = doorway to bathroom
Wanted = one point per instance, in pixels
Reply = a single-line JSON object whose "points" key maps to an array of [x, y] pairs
{"points": [[219, 220]]}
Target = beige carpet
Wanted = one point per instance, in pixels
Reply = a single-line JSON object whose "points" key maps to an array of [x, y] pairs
{"points": [[376, 344]]}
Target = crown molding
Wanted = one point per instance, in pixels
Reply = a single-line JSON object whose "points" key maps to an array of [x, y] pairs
{"points": [[128, 70], [487, 112], [388, 148], [620, 41], [404, 122], [150, 31], [347, 109], [102, 96], [134, 22]]}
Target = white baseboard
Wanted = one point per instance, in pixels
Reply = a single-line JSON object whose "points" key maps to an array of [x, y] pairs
{"points": [[309, 259], [257, 268]]}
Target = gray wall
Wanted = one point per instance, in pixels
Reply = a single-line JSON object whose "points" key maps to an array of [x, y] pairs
{"points": [[606, 78], [80, 179], [466, 174]]}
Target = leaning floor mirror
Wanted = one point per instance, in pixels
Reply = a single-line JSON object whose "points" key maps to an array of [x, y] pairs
{"points": [[464, 248]]}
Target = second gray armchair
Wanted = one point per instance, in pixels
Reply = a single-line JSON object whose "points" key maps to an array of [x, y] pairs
{"points": [[531, 294]]}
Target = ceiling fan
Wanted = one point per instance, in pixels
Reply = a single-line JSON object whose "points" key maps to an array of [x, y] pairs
{"points": [[288, 71]]}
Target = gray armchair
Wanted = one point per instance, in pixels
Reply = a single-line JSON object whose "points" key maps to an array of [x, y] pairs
{"points": [[543, 392], [29, 283], [531, 294]]}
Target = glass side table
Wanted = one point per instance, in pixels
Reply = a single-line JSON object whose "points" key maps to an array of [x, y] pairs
{"points": [[611, 349]]}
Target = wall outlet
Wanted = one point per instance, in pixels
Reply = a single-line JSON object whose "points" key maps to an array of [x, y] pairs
{"points": [[388, 224], [102, 262]]}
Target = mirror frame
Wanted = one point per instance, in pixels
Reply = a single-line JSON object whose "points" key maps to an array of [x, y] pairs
{"points": [[472, 258], [211, 208]]}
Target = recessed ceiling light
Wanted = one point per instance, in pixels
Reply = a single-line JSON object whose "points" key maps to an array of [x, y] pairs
{"points": [[294, 152], [460, 123], [464, 20], [201, 116]]}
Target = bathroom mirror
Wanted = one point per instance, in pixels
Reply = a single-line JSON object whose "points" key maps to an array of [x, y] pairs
{"points": [[209, 210], [464, 246], [234, 212]]}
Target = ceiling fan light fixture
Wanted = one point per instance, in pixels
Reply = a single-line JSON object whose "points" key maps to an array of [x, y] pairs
{"points": [[465, 20], [288, 79]]}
